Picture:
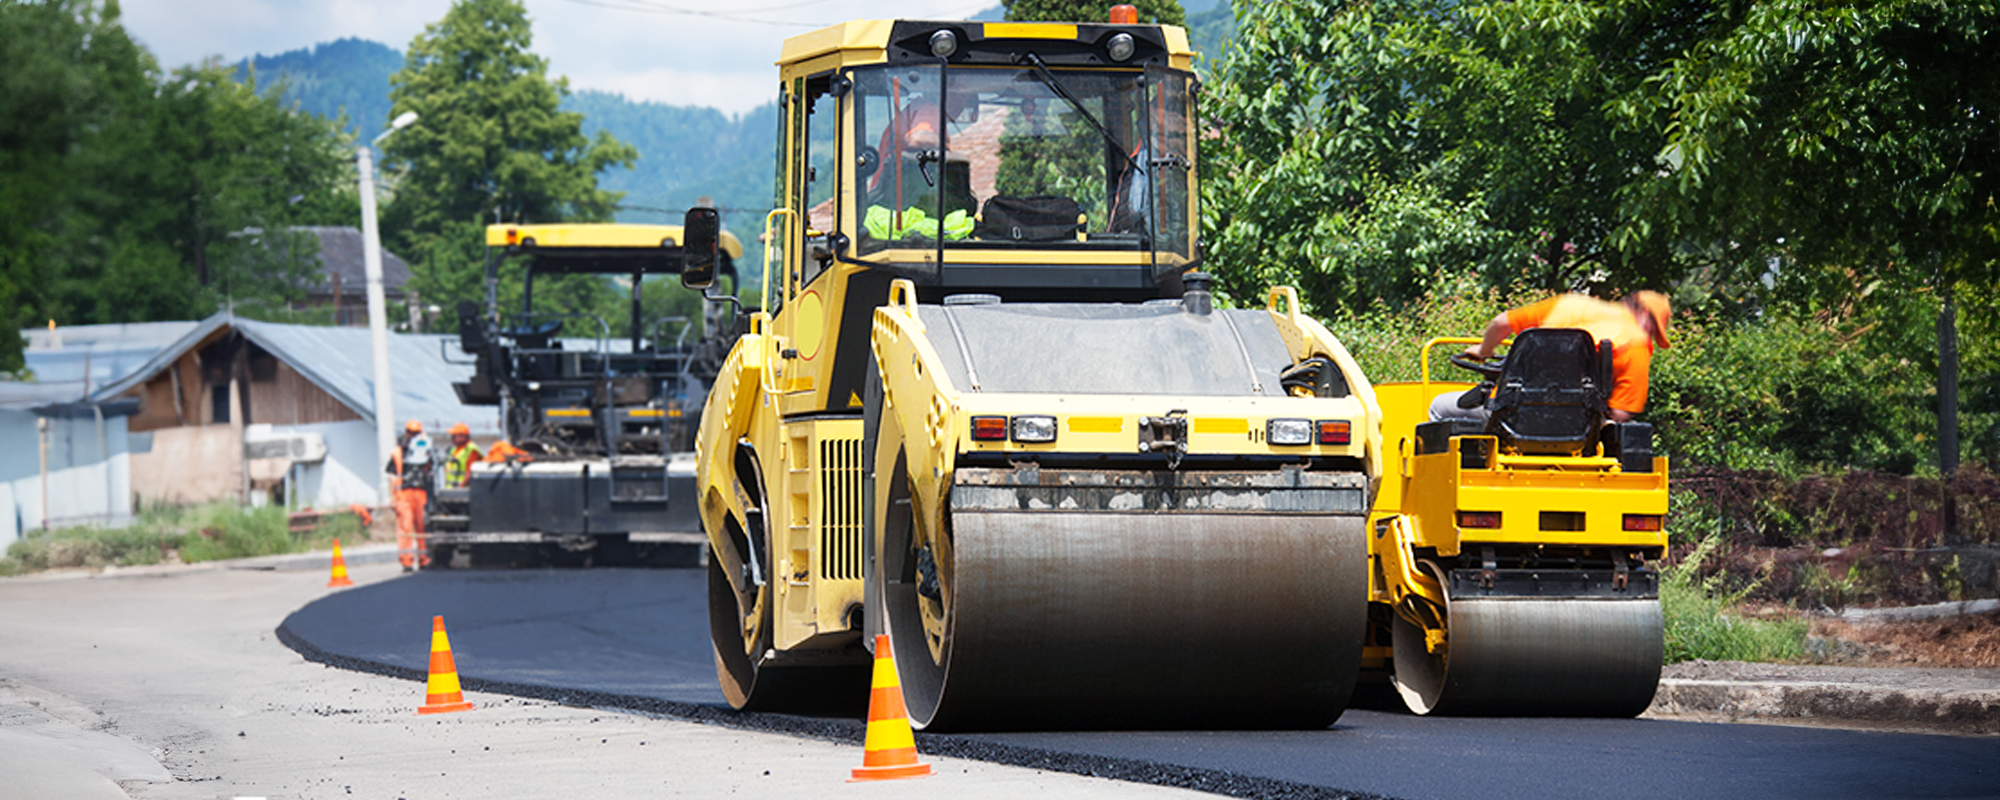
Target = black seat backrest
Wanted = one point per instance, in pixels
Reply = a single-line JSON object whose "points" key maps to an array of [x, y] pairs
{"points": [[1551, 394]]}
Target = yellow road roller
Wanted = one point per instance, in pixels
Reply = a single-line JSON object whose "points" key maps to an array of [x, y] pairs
{"points": [[989, 408], [1513, 559]]}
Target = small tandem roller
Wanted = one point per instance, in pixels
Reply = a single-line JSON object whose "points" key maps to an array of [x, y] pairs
{"points": [[1513, 560]]}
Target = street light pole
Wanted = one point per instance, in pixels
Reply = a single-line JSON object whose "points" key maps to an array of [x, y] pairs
{"points": [[378, 332]]}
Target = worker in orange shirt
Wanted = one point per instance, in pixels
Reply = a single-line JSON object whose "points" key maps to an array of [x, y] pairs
{"points": [[503, 453], [1636, 326], [410, 477], [458, 463]]}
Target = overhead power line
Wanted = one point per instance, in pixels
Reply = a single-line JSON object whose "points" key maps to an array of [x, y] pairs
{"points": [[733, 16]]}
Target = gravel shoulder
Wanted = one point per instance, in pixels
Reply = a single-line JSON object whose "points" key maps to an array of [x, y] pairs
{"points": [[170, 683]]}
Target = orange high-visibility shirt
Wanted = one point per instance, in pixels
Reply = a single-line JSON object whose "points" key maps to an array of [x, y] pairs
{"points": [[1631, 349]]}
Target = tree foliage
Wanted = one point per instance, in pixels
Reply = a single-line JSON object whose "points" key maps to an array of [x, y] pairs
{"points": [[492, 144], [128, 193], [1164, 12], [1370, 150], [1793, 169], [1828, 138]]}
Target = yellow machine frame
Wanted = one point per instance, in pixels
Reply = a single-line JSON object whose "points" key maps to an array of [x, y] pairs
{"points": [[782, 434]]}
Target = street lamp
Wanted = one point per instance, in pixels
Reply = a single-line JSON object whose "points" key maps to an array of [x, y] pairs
{"points": [[378, 333]]}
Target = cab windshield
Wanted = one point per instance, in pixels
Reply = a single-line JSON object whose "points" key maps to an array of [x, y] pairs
{"points": [[1021, 157]]}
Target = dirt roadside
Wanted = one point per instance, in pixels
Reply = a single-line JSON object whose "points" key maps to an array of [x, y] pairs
{"points": [[171, 684]]}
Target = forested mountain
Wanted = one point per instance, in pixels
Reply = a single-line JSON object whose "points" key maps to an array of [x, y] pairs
{"points": [[1210, 23], [349, 76], [685, 152]]}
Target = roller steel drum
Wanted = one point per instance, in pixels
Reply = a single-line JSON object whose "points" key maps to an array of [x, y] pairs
{"points": [[1535, 657], [1146, 620]]}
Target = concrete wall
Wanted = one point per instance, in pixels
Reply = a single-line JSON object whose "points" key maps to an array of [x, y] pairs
{"points": [[89, 481], [190, 464], [348, 474]]}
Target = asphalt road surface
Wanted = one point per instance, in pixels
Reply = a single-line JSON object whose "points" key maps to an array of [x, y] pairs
{"points": [[639, 639], [170, 684]]}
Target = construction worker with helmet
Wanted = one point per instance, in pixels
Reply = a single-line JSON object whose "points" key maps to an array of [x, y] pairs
{"points": [[458, 463], [410, 477]]}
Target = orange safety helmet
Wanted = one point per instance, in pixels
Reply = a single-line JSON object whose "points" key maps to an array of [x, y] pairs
{"points": [[413, 426], [460, 429]]}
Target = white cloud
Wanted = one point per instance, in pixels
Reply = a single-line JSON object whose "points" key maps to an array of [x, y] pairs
{"points": [[609, 45]]}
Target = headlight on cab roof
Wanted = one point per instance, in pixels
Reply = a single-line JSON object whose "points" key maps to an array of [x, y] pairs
{"points": [[1289, 431], [1034, 429]]}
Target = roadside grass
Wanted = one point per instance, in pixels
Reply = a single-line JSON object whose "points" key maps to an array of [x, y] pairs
{"points": [[1703, 620], [205, 532]]}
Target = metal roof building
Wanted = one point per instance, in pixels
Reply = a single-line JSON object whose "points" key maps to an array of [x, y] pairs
{"points": [[336, 360]]}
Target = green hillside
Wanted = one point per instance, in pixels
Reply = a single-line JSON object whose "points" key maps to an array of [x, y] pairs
{"points": [[684, 152], [1210, 23], [348, 76]]}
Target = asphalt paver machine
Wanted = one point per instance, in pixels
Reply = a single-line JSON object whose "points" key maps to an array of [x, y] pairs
{"points": [[602, 426]]}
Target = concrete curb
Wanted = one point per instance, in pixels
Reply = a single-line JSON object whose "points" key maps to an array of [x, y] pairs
{"points": [[318, 559], [1932, 611], [1947, 711]]}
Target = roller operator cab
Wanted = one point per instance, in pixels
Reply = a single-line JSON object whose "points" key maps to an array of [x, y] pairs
{"points": [[1514, 559], [604, 424], [989, 410]]}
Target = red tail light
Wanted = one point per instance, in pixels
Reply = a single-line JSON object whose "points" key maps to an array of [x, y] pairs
{"points": [[1335, 431], [1643, 522], [989, 429], [1479, 519]]}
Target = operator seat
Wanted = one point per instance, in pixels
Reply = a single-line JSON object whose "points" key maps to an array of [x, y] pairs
{"points": [[1552, 392]]}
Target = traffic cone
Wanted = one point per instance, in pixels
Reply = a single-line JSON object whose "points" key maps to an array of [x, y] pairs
{"points": [[441, 694], [339, 568], [890, 751]]}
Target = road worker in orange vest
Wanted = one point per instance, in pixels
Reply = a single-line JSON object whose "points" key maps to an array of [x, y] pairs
{"points": [[458, 464], [410, 477]]}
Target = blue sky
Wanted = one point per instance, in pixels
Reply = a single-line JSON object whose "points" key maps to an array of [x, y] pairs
{"points": [[685, 52]]}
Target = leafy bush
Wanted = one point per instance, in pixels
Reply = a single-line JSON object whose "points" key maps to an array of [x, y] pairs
{"points": [[1795, 394], [1386, 341]]}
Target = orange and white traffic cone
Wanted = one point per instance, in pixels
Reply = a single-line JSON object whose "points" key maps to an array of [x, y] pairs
{"points": [[890, 751], [339, 568], [442, 694]]}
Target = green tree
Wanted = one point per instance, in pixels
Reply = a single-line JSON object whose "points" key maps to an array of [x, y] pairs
{"points": [[1836, 148], [1164, 12], [491, 145], [1370, 152], [56, 59], [132, 194]]}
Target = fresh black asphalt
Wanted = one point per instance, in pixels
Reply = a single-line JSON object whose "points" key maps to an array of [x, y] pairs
{"points": [[638, 639]]}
